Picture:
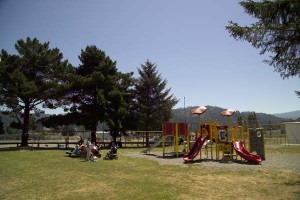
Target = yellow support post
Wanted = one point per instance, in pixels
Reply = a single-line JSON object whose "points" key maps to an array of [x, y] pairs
{"points": [[211, 138], [200, 132], [163, 138], [248, 139], [176, 140], [229, 137], [188, 138], [199, 126], [214, 134], [243, 136]]}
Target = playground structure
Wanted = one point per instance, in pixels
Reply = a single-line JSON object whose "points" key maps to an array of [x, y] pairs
{"points": [[172, 135], [226, 140], [178, 133], [215, 138]]}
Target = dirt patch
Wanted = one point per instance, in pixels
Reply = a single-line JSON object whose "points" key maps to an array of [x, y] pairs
{"points": [[280, 162]]}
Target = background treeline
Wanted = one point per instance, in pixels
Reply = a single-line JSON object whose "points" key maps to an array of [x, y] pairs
{"points": [[92, 93], [267, 121]]}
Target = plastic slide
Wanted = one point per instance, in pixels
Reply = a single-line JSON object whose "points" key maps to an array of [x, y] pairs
{"points": [[195, 149], [152, 146], [241, 151]]}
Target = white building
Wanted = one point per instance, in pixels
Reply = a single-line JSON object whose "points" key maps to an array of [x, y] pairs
{"points": [[292, 130]]}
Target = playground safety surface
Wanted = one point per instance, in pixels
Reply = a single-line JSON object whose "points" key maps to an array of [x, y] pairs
{"points": [[289, 162]]}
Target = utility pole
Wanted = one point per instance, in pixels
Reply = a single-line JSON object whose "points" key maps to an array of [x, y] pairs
{"points": [[184, 109], [270, 129]]}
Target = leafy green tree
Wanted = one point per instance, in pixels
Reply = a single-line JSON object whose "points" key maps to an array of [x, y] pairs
{"points": [[277, 32], [36, 76], [94, 89], [153, 101]]}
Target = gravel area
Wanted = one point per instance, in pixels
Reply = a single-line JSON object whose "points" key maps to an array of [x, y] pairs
{"points": [[280, 162]]}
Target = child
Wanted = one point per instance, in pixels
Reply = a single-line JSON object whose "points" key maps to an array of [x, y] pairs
{"points": [[88, 150], [113, 149]]}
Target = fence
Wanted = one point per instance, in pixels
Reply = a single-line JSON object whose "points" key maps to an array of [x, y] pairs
{"points": [[59, 140], [133, 139]]}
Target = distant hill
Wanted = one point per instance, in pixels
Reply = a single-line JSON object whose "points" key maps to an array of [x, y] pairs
{"points": [[213, 113], [6, 119], [294, 115]]}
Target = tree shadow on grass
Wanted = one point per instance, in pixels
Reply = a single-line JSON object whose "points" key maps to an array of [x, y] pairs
{"points": [[226, 161], [167, 156], [29, 148], [12, 148]]}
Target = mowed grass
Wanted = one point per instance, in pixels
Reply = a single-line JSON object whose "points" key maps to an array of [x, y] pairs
{"points": [[51, 174]]}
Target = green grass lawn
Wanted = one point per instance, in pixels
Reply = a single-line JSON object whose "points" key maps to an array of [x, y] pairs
{"points": [[50, 174]]}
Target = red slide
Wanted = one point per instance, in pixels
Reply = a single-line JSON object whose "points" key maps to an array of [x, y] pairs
{"points": [[195, 149], [241, 151]]}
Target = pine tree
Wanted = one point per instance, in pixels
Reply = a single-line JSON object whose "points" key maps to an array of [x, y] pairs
{"points": [[119, 111], [153, 101], [277, 32], [36, 76], [94, 89]]}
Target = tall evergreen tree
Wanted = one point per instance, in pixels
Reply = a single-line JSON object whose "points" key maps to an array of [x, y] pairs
{"points": [[119, 111], [36, 76], [128, 88], [153, 101], [277, 32], [94, 88]]}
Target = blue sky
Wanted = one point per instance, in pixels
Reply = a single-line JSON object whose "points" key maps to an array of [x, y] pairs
{"points": [[186, 39]]}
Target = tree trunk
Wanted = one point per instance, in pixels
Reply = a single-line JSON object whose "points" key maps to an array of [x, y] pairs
{"points": [[147, 139], [114, 136], [93, 132], [25, 135], [147, 125], [93, 137]]}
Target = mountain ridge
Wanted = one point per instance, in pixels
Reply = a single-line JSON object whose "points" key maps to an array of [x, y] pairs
{"points": [[289, 115], [213, 113]]}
